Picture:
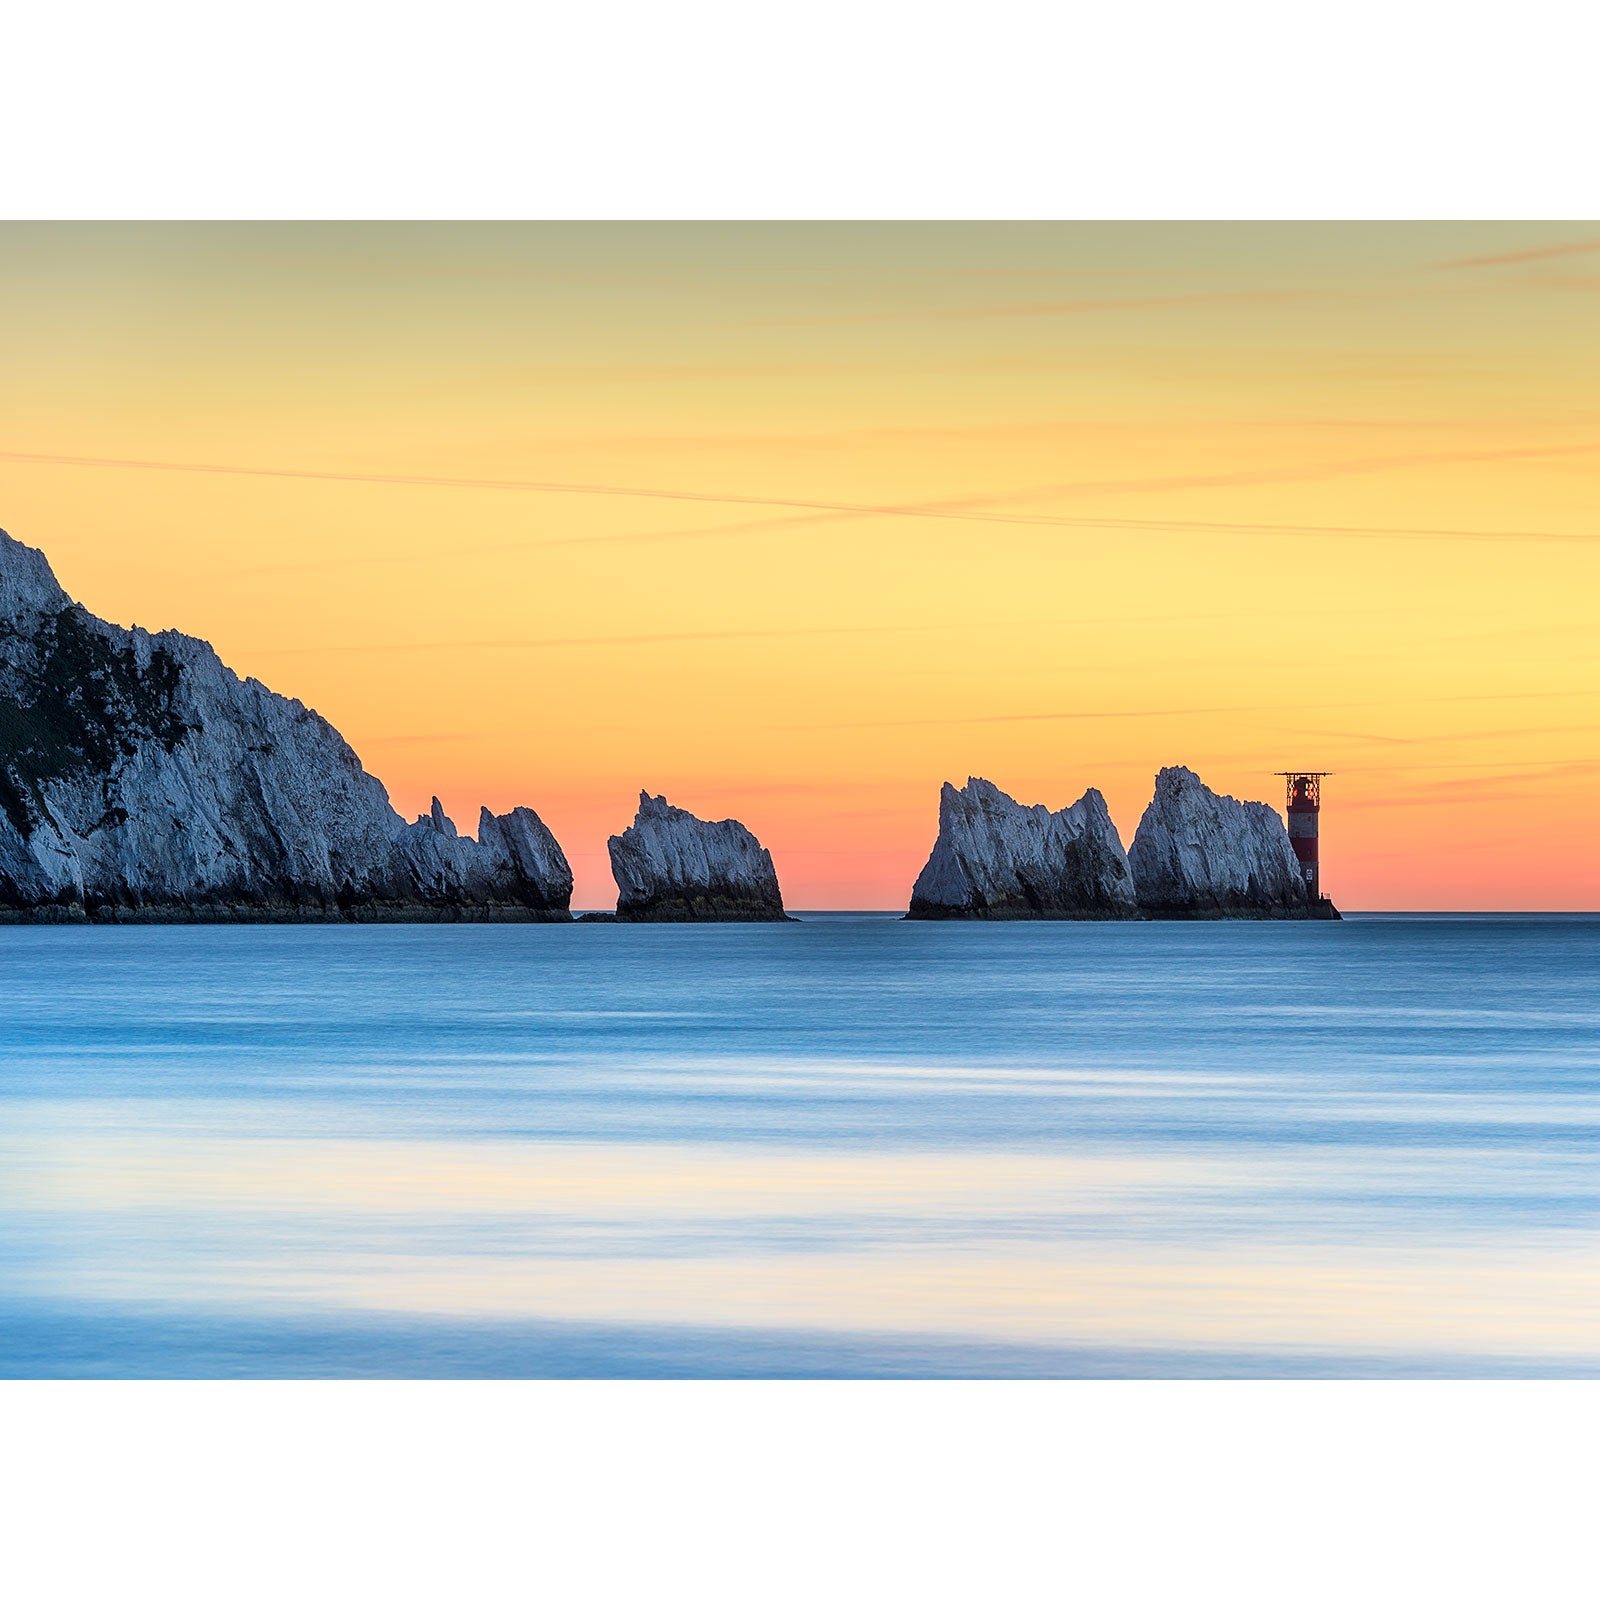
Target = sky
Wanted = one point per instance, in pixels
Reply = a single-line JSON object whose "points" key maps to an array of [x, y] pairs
{"points": [[792, 522]]}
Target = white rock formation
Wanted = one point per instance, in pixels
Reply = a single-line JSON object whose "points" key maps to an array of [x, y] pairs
{"points": [[141, 779], [1200, 854], [515, 860], [672, 867], [525, 853], [997, 859]]}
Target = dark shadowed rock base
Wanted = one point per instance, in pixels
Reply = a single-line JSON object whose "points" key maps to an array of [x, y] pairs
{"points": [[1322, 910], [1018, 910], [704, 908], [112, 916]]}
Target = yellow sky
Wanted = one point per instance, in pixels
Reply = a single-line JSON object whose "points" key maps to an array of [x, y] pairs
{"points": [[793, 521]]}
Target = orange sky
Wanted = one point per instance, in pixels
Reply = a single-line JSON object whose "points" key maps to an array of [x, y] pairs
{"points": [[793, 521]]}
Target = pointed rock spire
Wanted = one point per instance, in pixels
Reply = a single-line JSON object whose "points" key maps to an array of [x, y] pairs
{"points": [[441, 823]]}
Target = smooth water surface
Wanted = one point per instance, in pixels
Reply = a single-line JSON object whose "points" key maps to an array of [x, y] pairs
{"points": [[848, 1146]]}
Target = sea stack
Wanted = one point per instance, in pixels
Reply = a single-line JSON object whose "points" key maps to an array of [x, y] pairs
{"points": [[997, 859], [672, 867], [141, 780], [1198, 854], [515, 861]]}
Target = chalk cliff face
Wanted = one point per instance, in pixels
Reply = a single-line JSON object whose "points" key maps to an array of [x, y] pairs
{"points": [[997, 859], [672, 867], [141, 779], [1200, 854]]}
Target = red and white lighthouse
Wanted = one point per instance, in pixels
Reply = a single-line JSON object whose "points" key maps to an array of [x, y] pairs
{"points": [[1305, 805]]}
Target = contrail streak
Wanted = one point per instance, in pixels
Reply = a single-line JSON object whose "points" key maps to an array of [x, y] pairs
{"points": [[1549, 252], [964, 624], [972, 509], [409, 646], [1211, 711]]}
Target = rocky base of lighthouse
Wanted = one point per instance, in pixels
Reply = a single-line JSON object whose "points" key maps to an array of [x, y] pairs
{"points": [[1199, 855]]}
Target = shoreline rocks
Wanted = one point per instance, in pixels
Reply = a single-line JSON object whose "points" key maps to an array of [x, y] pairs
{"points": [[1197, 855], [671, 866], [142, 780], [997, 859]]}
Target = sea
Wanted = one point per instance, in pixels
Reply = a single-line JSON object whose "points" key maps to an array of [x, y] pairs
{"points": [[843, 1147]]}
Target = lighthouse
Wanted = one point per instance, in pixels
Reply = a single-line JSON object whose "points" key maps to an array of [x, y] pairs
{"points": [[1305, 805]]}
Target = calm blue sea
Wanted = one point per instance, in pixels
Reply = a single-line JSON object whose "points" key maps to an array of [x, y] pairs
{"points": [[847, 1147]]}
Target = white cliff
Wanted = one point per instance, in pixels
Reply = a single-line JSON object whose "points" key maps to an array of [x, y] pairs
{"points": [[141, 779], [672, 867], [1201, 854], [995, 858]]}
